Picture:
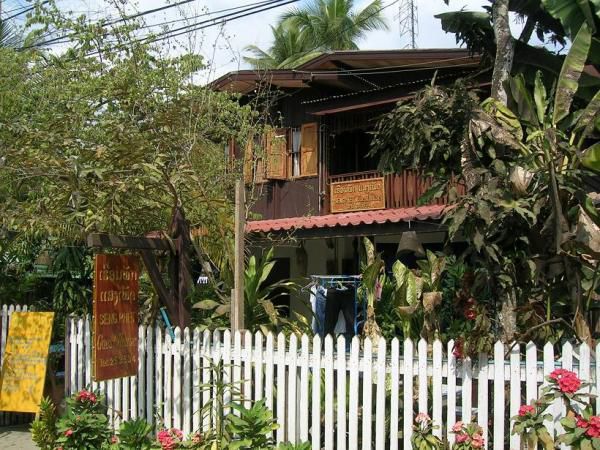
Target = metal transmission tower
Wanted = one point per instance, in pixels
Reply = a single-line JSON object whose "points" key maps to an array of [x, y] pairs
{"points": [[408, 21]]}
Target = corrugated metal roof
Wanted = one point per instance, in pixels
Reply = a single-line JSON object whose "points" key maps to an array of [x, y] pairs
{"points": [[347, 219]]}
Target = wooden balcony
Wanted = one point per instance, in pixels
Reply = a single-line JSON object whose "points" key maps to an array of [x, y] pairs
{"points": [[401, 190]]}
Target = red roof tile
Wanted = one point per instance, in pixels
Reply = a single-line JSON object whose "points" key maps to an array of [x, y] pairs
{"points": [[346, 219]]}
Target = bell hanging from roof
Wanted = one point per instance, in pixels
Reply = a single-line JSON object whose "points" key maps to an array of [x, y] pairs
{"points": [[409, 243]]}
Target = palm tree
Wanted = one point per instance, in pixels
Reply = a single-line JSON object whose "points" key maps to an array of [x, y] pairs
{"points": [[333, 25], [287, 47], [320, 26]]}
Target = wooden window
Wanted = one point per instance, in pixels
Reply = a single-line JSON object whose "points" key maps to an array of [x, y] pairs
{"points": [[276, 149], [309, 149]]}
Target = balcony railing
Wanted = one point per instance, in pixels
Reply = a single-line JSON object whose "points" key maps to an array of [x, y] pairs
{"points": [[402, 190]]}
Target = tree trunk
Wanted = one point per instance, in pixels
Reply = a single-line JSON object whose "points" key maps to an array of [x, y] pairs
{"points": [[505, 49]]}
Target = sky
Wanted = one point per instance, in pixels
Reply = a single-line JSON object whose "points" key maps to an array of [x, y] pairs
{"points": [[223, 46]]}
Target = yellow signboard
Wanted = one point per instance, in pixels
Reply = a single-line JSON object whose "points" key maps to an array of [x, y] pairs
{"points": [[25, 360], [358, 195]]}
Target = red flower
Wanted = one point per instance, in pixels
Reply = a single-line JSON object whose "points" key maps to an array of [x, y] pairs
{"points": [[569, 384], [582, 423], [457, 427], [471, 314], [593, 432], [458, 350], [69, 433], [526, 409], [559, 373]]}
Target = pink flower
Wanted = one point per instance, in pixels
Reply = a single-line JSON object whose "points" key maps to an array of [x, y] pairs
{"points": [[114, 439], [422, 418], [69, 433], [477, 441], [177, 433], [593, 432], [526, 409], [457, 427], [462, 437], [197, 438]]}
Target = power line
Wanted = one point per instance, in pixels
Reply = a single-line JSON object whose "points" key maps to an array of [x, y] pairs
{"points": [[249, 7], [25, 10]]}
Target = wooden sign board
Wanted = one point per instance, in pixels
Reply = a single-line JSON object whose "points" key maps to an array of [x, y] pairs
{"points": [[116, 309], [25, 361], [358, 195]]}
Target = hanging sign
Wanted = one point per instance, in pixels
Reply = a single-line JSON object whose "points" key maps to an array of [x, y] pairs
{"points": [[358, 195], [25, 360], [115, 342]]}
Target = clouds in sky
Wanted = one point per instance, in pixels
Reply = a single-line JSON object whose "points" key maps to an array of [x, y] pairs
{"points": [[223, 46]]}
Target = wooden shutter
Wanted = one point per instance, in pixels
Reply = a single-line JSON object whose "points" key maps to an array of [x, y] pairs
{"points": [[309, 149], [276, 151], [249, 162]]}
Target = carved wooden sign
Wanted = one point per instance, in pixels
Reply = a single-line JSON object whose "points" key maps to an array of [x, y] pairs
{"points": [[115, 347], [358, 195]]}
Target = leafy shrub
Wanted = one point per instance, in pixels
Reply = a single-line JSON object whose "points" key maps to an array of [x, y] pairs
{"points": [[43, 428], [252, 429], [135, 435]]}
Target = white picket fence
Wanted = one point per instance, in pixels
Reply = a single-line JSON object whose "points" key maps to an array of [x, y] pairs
{"points": [[7, 418], [336, 394]]}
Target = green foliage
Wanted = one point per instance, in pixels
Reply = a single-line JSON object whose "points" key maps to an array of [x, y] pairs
{"points": [[135, 435], [422, 437], [260, 312], [110, 137], [531, 227], [426, 131], [253, 427], [43, 428]]}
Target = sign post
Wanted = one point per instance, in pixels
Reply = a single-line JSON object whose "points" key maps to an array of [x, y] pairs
{"points": [[25, 361], [115, 343]]}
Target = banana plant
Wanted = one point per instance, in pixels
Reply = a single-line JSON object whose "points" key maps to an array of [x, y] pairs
{"points": [[371, 277]]}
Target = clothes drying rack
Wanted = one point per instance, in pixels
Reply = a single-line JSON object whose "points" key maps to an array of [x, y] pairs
{"points": [[328, 281]]}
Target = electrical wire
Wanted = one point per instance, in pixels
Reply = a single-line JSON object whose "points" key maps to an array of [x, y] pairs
{"points": [[25, 10], [248, 7]]}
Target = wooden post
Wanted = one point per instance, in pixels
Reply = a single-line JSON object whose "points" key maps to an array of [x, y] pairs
{"points": [[237, 293]]}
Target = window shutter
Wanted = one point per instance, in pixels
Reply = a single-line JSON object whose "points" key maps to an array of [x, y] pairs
{"points": [[248, 162], [276, 150], [309, 150]]}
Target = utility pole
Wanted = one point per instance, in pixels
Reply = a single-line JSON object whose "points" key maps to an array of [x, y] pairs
{"points": [[237, 293], [408, 21]]}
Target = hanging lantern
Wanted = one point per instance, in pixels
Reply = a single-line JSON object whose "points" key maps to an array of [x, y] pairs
{"points": [[409, 243]]}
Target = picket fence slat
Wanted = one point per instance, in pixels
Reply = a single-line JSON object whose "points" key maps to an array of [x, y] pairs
{"points": [[451, 390], [515, 389], [335, 394], [353, 400], [341, 393]]}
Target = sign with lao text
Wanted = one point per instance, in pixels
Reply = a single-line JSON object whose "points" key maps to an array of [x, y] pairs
{"points": [[25, 361], [115, 342], [357, 195]]}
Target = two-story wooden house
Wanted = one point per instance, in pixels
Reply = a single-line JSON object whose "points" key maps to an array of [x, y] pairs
{"points": [[316, 182]]}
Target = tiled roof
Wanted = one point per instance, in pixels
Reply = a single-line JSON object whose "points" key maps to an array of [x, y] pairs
{"points": [[347, 219]]}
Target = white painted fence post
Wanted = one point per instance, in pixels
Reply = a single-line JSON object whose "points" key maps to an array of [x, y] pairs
{"points": [[436, 383], [380, 413], [408, 393], [515, 389], [353, 401], [367, 366], [329, 382], [498, 396], [341, 393], [281, 397]]}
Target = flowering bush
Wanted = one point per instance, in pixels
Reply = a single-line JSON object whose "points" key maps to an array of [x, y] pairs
{"points": [[423, 438], [169, 439], [468, 436], [582, 431], [529, 424]]}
